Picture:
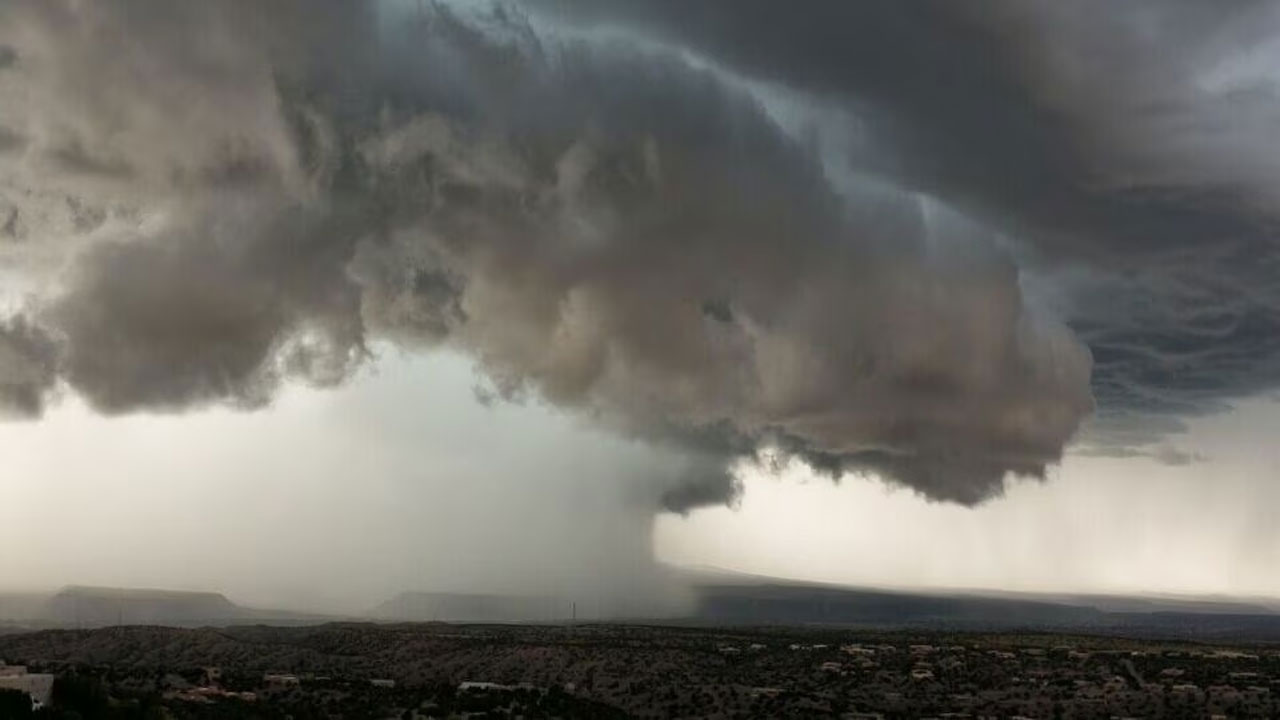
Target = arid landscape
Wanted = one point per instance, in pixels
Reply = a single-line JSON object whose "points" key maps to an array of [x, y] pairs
{"points": [[604, 671]]}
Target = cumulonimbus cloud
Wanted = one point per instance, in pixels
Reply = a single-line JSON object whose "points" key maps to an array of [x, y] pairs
{"points": [[1123, 149], [610, 210]]}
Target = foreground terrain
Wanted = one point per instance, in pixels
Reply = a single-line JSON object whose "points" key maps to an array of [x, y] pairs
{"points": [[605, 671]]}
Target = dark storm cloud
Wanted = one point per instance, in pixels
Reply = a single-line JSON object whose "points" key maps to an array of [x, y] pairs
{"points": [[28, 357], [961, 99], [704, 481], [218, 309], [655, 251], [1124, 148], [623, 228]]}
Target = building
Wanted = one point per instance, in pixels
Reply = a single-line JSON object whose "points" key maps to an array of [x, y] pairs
{"points": [[39, 686], [281, 680]]}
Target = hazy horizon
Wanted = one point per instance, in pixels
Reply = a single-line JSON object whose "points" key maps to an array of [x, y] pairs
{"points": [[858, 532]]}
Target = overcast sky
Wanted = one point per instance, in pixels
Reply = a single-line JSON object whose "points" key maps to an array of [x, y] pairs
{"points": [[509, 296]]}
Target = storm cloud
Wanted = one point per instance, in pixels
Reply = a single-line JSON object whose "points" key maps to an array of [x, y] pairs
{"points": [[1122, 150], [908, 239], [27, 360]]}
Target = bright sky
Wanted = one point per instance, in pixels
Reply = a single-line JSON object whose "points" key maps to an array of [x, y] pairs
{"points": [[1097, 525], [335, 500]]}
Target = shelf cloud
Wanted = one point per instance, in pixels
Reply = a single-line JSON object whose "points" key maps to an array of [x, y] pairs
{"points": [[926, 247]]}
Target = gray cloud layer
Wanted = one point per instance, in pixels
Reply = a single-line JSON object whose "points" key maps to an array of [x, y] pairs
{"points": [[613, 207], [27, 367], [1124, 148]]}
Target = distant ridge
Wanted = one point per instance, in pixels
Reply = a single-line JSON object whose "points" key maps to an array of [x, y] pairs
{"points": [[87, 606], [712, 599], [83, 606], [751, 601], [714, 581]]}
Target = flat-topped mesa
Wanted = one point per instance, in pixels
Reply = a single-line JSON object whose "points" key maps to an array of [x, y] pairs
{"points": [[96, 606]]}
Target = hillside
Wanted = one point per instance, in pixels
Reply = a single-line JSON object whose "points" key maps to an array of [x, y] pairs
{"points": [[96, 606], [472, 607], [613, 670]]}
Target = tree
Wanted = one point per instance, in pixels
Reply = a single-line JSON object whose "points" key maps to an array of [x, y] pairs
{"points": [[14, 704], [83, 694]]}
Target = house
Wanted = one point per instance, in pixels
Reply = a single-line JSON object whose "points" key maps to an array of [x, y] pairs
{"points": [[39, 686], [281, 680]]}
